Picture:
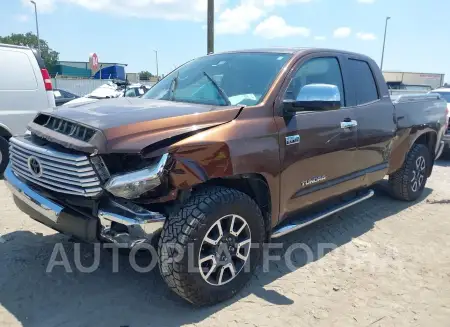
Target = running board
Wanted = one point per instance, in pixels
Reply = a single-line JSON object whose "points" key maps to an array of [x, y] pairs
{"points": [[297, 224]]}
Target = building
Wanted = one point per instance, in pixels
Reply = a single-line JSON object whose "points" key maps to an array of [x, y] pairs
{"points": [[80, 69], [405, 79]]}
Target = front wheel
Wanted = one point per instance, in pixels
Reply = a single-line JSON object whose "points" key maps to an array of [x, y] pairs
{"points": [[409, 181], [209, 250]]}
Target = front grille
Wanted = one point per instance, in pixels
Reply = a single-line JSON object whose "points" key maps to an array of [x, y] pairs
{"points": [[54, 170], [65, 127]]}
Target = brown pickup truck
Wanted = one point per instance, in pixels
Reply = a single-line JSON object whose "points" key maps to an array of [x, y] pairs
{"points": [[223, 154]]}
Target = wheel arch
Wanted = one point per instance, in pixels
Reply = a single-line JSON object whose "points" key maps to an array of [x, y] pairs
{"points": [[404, 144], [5, 132], [255, 185], [429, 139]]}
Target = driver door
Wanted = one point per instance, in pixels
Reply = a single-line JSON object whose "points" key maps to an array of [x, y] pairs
{"points": [[317, 148]]}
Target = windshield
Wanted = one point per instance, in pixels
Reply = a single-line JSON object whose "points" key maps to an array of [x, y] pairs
{"points": [[240, 78], [444, 95]]}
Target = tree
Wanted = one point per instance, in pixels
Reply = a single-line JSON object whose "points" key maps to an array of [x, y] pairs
{"points": [[145, 75], [29, 39]]}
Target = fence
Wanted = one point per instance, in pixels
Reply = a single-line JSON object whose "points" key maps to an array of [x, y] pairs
{"points": [[83, 86]]}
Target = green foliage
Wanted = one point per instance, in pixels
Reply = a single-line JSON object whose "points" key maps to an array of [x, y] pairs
{"points": [[145, 75]]}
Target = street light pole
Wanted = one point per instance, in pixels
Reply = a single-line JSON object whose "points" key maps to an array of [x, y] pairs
{"points": [[157, 68], [210, 27], [384, 42], [37, 25]]}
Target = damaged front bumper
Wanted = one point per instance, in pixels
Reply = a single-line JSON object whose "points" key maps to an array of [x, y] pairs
{"points": [[123, 223]]}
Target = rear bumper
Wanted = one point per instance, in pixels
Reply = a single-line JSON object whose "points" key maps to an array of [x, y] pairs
{"points": [[124, 224]]}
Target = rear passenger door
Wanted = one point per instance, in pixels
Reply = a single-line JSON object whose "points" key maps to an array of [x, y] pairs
{"points": [[374, 114]]}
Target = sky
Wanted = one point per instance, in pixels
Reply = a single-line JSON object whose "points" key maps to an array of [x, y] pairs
{"points": [[128, 31]]}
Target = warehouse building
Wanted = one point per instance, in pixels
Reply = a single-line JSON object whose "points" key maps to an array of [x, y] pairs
{"points": [[413, 81], [80, 69]]}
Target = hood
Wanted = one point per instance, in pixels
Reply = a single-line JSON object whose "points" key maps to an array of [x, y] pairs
{"points": [[78, 102], [131, 124]]}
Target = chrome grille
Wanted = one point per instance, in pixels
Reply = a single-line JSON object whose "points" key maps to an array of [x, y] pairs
{"points": [[59, 171]]}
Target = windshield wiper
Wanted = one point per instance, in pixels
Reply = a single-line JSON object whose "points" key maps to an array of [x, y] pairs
{"points": [[173, 87], [219, 89]]}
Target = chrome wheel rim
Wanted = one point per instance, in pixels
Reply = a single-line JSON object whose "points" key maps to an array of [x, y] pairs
{"points": [[224, 250], [418, 178]]}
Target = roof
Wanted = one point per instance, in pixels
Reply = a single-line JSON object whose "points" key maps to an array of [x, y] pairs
{"points": [[293, 50], [14, 46]]}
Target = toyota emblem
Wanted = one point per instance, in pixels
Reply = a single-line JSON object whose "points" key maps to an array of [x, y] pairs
{"points": [[35, 167]]}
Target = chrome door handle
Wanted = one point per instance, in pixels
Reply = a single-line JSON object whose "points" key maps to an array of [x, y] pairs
{"points": [[349, 124]]}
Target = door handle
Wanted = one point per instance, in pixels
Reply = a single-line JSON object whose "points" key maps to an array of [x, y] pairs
{"points": [[349, 123]]}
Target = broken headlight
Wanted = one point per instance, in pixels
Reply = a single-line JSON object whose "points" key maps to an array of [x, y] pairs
{"points": [[131, 185]]}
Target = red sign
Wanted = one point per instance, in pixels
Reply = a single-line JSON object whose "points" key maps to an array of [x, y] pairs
{"points": [[94, 61]]}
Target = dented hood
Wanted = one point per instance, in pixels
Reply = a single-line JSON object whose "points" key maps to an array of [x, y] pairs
{"points": [[130, 124]]}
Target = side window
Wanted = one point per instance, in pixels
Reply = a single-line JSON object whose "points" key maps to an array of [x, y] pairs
{"points": [[364, 82], [316, 71], [130, 93]]}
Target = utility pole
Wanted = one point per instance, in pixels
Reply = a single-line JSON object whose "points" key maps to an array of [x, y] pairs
{"points": [[384, 42], [157, 66], [210, 27], [37, 25]]}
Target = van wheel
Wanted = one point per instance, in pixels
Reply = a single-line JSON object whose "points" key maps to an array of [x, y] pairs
{"points": [[408, 183], [4, 154], [209, 250]]}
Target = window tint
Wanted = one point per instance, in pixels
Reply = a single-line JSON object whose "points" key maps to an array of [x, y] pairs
{"points": [[316, 71], [364, 83]]}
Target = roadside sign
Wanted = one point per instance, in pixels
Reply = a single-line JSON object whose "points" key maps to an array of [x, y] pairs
{"points": [[93, 61]]}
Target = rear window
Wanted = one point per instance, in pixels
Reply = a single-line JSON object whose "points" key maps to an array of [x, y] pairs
{"points": [[364, 82], [17, 71]]}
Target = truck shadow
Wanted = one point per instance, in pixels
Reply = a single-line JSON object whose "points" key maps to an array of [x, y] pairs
{"points": [[128, 298]]}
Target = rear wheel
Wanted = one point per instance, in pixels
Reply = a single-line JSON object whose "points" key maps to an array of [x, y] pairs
{"points": [[4, 154], [409, 182], [206, 253]]}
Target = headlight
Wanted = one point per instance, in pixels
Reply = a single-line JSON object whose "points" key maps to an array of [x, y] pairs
{"points": [[132, 185]]}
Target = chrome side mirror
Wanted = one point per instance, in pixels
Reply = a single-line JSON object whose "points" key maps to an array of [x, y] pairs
{"points": [[315, 97]]}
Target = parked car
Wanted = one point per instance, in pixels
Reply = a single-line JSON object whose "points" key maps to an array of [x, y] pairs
{"points": [[445, 94], [62, 96], [25, 89], [226, 152], [110, 90]]}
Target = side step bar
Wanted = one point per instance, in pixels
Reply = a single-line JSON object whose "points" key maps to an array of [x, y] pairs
{"points": [[300, 223]]}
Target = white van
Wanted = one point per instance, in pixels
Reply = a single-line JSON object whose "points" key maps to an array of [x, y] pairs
{"points": [[25, 89]]}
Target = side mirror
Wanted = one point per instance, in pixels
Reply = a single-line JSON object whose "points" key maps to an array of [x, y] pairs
{"points": [[315, 97]]}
